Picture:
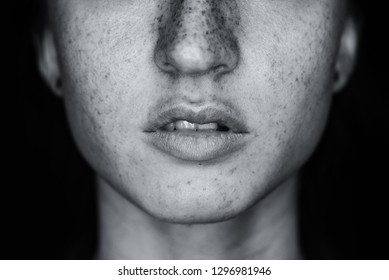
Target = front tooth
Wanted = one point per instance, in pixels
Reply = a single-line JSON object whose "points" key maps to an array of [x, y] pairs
{"points": [[207, 126], [184, 125]]}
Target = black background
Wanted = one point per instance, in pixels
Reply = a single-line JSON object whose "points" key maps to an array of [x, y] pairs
{"points": [[47, 194]]}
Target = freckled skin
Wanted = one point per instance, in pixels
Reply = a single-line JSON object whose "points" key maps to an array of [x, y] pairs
{"points": [[273, 59], [205, 25]]}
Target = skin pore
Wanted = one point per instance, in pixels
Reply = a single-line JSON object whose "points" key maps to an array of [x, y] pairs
{"points": [[269, 64]]}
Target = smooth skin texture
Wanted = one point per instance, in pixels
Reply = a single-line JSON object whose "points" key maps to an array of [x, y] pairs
{"points": [[274, 60]]}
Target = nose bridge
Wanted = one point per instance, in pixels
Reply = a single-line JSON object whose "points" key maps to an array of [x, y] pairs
{"points": [[198, 36]]}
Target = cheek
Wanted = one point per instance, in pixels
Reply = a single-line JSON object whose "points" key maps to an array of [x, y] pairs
{"points": [[287, 69], [100, 65]]}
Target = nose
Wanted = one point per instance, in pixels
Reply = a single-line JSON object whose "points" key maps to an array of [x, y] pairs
{"points": [[197, 38]]}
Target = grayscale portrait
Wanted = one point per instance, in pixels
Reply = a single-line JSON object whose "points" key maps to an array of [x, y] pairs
{"points": [[196, 129]]}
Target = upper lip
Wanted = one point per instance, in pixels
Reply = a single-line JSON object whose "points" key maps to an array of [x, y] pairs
{"points": [[219, 114]]}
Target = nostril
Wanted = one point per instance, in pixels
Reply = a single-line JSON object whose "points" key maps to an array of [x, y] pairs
{"points": [[164, 63], [168, 66], [220, 69]]}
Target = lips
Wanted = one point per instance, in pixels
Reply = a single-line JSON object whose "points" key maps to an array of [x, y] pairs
{"points": [[196, 135]]}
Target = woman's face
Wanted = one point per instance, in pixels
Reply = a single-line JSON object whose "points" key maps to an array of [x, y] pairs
{"points": [[195, 110]]}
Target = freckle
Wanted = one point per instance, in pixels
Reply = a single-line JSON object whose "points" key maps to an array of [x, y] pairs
{"points": [[189, 183], [232, 171]]}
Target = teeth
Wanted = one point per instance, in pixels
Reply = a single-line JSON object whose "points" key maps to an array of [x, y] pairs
{"points": [[207, 126], [184, 125], [187, 126]]}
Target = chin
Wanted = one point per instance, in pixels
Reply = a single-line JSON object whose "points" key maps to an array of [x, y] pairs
{"points": [[193, 217], [195, 208]]}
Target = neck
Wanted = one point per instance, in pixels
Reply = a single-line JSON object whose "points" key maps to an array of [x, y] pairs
{"points": [[266, 231]]}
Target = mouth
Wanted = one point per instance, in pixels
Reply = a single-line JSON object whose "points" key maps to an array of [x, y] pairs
{"points": [[185, 126], [211, 133]]}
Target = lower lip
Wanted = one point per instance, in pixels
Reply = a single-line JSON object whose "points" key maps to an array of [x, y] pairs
{"points": [[197, 146]]}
